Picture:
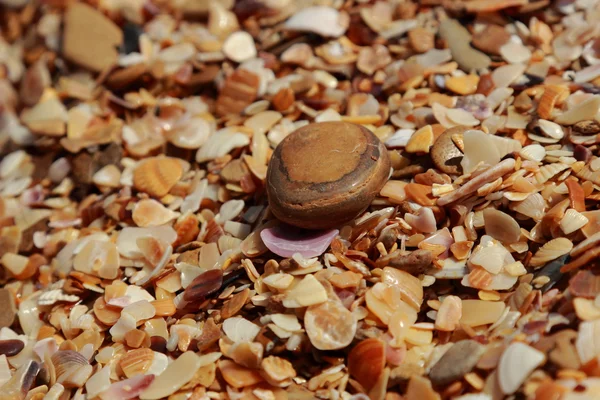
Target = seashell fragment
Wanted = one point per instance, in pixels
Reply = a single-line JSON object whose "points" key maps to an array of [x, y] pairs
{"points": [[587, 344], [366, 361], [489, 175], [149, 212], [551, 129], [127, 389], [516, 363], [549, 99], [177, 374], [156, 176], [221, 143], [586, 110], [533, 152], [309, 291], [551, 251], [286, 241], [420, 141], [449, 314], [239, 47], [322, 20], [99, 258], [136, 362], [480, 312], [329, 325], [459, 39], [72, 368], [501, 226], [572, 221]]}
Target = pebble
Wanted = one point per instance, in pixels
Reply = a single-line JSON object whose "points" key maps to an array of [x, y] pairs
{"points": [[445, 154], [11, 347], [456, 362], [8, 307], [326, 174], [491, 39], [90, 39]]}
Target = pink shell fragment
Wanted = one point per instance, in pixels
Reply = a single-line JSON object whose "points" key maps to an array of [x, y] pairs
{"points": [[120, 302], [285, 241], [127, 389]]}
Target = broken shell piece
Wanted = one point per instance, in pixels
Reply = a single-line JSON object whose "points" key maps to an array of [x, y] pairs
{"points": [[501, 226], [177, 374], [17, 386], [480, 312], [329, 325], [239, 47], [459, 39], [482, 147], [514, 52], [99, 258], [324, 21], [72, 368], [533, 206], [572, 221], [551, 251], [550, 129], [420, 141], [366, 361], [190, 133], [489, 175], [586, 110], [517, 362], [221, 143], [286, 241], [307, 292], [128, 388], [108, 176], [156, 176], [149, 212], [533, 152], [449, 314]]}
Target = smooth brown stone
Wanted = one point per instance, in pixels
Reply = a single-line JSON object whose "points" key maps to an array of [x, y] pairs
{"points": [[445, 154], [491, 39], [326, 174], [11, 347], [458, 361], [90, 39]]}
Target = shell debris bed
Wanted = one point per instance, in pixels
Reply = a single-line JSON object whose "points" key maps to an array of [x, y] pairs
{"points": [[152, 153]]}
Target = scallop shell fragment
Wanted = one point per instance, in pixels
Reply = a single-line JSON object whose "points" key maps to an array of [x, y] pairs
{"points": [[156, 176], [551, 251], [72, 368], [572, 221], [533, 152]]}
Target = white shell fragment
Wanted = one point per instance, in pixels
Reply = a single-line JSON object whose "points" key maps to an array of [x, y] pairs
{"points": [[322, 20], [516, 363], [239, 47]]}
